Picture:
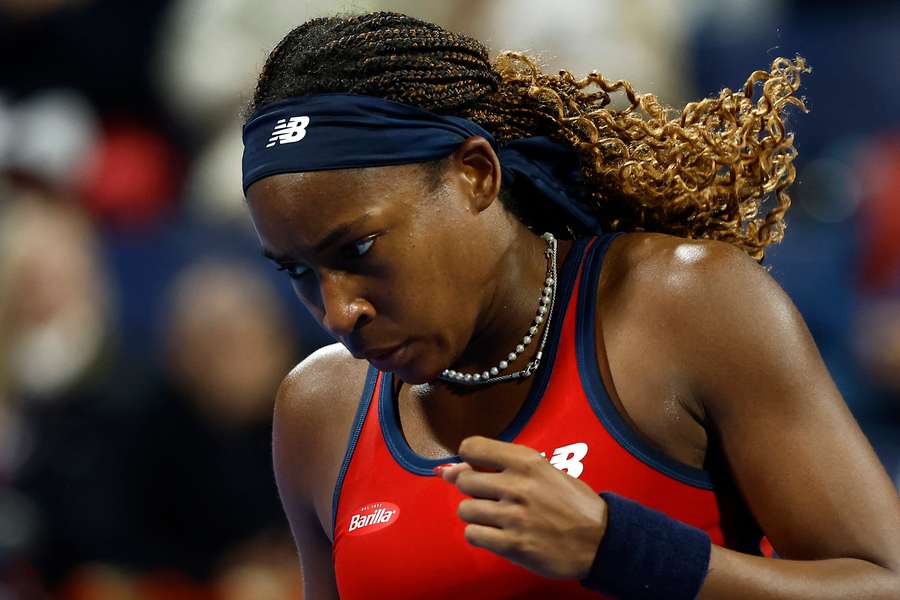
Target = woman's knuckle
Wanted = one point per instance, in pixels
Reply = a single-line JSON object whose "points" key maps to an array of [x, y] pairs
{"points": [[514, 517], [525, 489], [531, 461]]}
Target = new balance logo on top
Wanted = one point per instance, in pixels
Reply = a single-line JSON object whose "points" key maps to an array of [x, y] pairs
{"points": [[373, 517], [288, 131], [568, 458]]}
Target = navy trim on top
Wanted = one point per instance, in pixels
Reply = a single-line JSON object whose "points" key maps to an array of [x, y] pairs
{"points": [[358, 421], [390, 417], [588, 367]]}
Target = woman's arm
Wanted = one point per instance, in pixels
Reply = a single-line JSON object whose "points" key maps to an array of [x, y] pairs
{"points": [[305, 410], [797, 455]]}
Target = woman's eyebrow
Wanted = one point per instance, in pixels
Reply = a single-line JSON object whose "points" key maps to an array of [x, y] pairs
{"points": [[333, 236], [341, 231]]}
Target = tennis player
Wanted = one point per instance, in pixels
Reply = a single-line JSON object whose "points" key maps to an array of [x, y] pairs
{"points": [[561, 370]]}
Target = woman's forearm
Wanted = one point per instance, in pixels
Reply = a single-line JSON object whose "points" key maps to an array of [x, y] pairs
{"points": [[734, 575]]}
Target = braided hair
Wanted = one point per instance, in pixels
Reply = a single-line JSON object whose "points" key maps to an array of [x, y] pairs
{"points": [[703, 173]]}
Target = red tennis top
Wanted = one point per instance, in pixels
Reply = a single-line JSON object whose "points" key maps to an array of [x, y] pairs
{"points": [[396, 531]]}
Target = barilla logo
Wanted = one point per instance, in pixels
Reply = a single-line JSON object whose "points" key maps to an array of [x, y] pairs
{"points": [[288, 131], [373, 517]]}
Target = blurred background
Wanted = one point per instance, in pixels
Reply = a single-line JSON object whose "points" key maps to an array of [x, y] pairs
{"points": [[142, 337]]}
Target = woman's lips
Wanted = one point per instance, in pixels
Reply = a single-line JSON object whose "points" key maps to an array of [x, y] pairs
{"points": [[385, 360]]}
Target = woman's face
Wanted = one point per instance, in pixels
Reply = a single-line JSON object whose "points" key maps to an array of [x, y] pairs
{"points": [[396, 268]]}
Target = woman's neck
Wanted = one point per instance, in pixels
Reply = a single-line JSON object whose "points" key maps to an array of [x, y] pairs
{"points": [[512, 306]]}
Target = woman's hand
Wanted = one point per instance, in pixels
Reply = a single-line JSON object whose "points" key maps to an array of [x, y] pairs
{"points": [[526, 510]]}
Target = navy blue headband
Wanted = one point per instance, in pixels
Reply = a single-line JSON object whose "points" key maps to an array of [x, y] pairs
{"points": [[345, 131]]}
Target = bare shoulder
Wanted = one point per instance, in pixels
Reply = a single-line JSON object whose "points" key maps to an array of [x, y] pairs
{"points": [[715, 311], [680, 266], [320, 382], [696, 308], [314, 412], [677, 282]]}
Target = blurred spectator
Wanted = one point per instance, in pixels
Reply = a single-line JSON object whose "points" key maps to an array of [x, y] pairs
{"points": [[55, 341], [227, 342], [206, 83], [62, 453], [57, 310], [52, 144], [201, 478], [45, 140], [100, 49]]}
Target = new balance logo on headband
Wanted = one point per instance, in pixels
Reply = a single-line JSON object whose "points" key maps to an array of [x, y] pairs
{"points": [[288, 131]]}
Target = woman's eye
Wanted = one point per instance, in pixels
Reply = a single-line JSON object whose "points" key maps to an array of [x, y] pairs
{"points": [[357, 249], [294, 271]]}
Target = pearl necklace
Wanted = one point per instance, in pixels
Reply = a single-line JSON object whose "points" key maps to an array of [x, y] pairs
{"points": [[544, 311]]}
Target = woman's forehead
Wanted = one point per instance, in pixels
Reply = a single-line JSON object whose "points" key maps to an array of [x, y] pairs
{"points": [[339, 187], [313, 204]]}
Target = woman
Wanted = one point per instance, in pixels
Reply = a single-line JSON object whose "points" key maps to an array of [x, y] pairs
{"points": [[499, 363]]}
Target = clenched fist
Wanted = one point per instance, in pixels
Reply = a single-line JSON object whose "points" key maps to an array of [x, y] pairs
{"points": [[526, 510]]}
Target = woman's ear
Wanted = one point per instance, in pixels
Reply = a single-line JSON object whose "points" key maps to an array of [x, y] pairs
{"points": [[477, 167]]}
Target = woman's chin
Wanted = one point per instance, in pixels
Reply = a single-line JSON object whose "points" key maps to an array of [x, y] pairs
{"points": [[413, 376], [417, 372], [414, 365]]}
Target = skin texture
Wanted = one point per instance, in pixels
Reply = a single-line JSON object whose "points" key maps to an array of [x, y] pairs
{"points": [[736, 374]]}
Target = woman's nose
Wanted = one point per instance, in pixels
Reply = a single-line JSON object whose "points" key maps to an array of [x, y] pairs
{"points": [[342, 309]]}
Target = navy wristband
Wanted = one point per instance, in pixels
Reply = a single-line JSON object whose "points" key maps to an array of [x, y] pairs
{"points": [[647, 555]]}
